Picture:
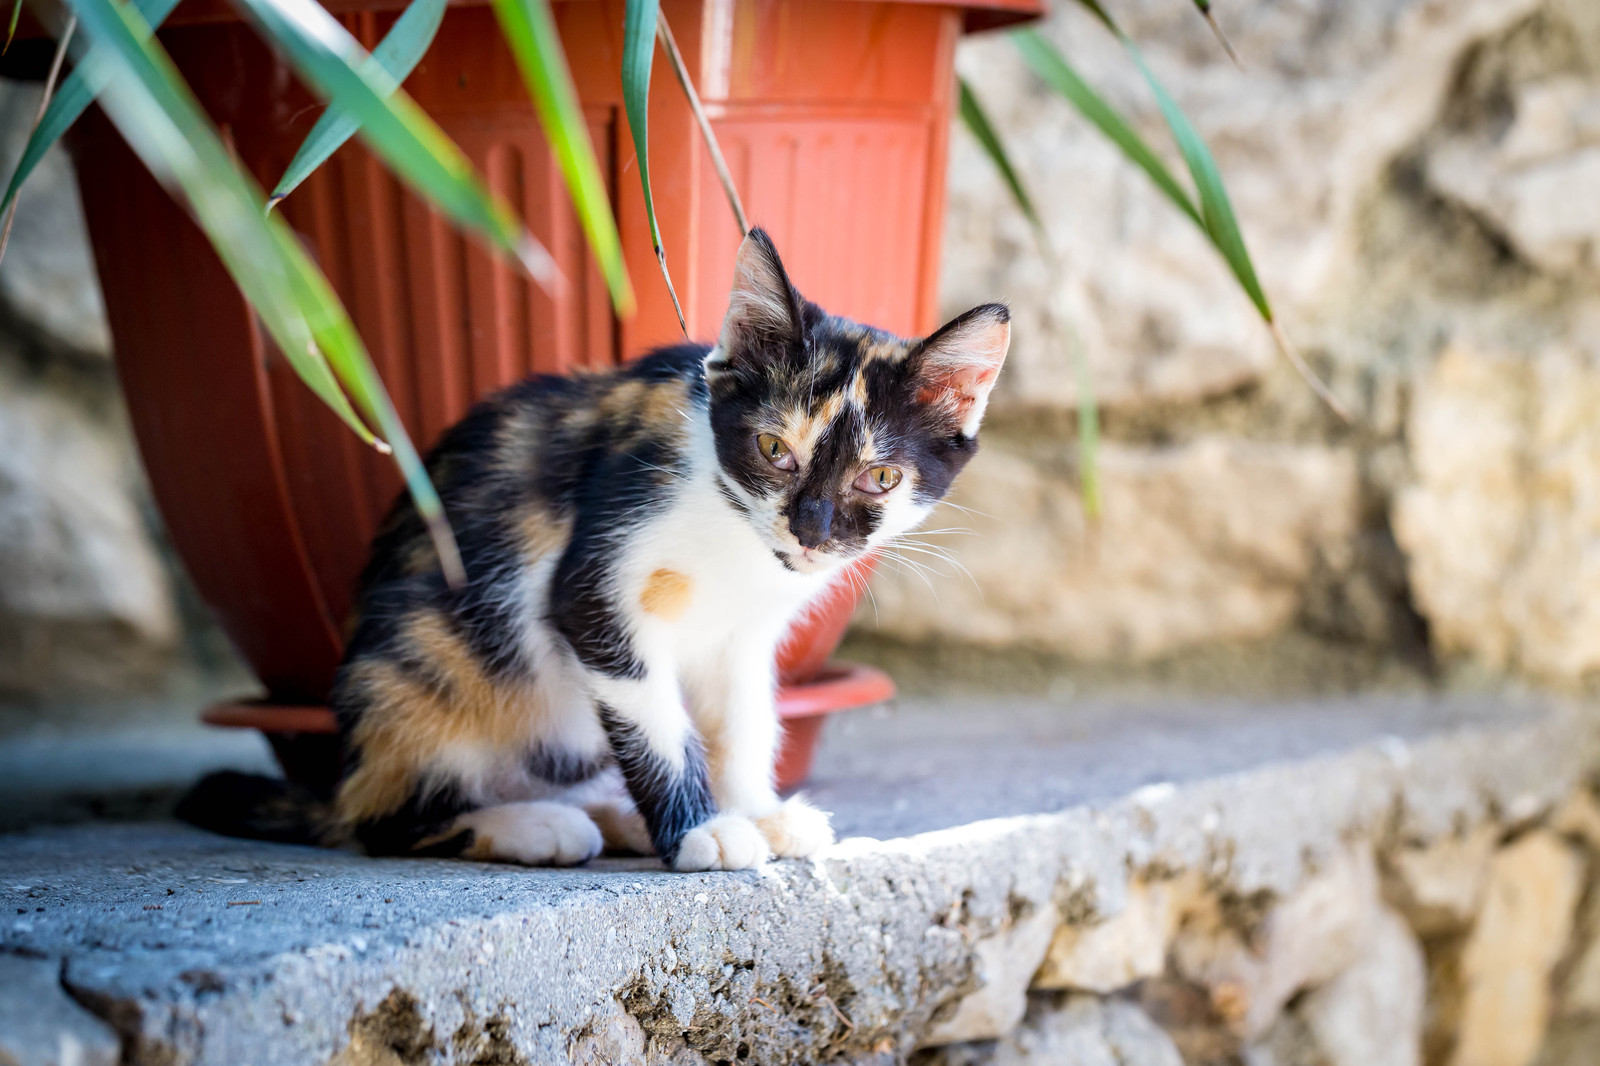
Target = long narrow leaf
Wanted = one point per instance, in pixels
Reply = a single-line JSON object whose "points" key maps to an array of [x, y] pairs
{"points": [[1222, 226], [11, 30], [707, 134], [170, 135], [146, 99], [1214, 215], [638, 55], [531, 33], [1204, 7], [982, 130], [1088, 431], [1215, 207], [394, 127], [977, 122], [1049, 64], [299, 347], [9, 211], [70, 101], [398, 54]]}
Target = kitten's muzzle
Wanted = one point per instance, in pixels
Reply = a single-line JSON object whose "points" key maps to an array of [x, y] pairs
{"points": [[811, 521]]}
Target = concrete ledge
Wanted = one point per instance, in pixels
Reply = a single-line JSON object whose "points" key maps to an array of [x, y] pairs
{"points": [[1012, 829]]}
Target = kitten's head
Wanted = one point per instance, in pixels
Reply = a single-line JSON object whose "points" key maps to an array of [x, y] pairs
{"points": [[833, 436]]}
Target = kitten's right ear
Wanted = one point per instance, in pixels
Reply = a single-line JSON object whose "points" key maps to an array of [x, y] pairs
{"points": [[764, 308]]}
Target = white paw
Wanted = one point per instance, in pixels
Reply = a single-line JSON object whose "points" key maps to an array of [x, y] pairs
{"points": [[796, 830], [534, 834], [726, 842]]}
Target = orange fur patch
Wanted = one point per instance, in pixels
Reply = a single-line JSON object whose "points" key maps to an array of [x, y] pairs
{"points": [[408, 720], [621, 830], [666, 594]]}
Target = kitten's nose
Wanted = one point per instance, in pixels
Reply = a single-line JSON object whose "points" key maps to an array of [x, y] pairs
{"points": [[812, 520]]}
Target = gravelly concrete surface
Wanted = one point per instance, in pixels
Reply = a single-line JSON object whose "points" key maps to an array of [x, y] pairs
{"points": [[205, 950]]}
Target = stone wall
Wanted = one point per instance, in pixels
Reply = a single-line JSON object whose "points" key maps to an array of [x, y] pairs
{"points": [[1417, 180], [86, 595], [1480, 948]]}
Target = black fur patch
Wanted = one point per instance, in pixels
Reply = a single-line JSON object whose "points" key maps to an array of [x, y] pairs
{"points": [[672, 801], [569, 468], [563, 766], [422, 817]]}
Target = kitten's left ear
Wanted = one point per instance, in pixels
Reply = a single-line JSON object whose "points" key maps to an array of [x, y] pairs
{"points": [[956, 367]]}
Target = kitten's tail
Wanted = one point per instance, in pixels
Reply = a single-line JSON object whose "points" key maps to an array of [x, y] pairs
{"points": [[260, 808]]}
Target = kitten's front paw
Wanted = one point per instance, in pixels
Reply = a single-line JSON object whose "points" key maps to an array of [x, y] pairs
{"points": [[726, 842], [533, 834], [796, 830]]}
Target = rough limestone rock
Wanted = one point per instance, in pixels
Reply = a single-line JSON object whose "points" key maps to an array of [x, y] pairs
{"points": [[1004, 963], [1383, 158], [1500, 522], [1372, 1013], [1580, 991], [1212, 540], [1438, 887], [47, 278], [1318, 932], [1126, 947], [1532, 179], [1332, 95], [1578, 817], [40, 1025], [1520, 935], [84, 598], [1080, 1030]]}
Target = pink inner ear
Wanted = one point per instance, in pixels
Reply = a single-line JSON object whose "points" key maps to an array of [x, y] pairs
{"points": [[959, 385]]}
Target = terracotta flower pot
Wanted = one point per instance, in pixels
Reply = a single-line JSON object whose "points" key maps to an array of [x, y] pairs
{"points": [[834, 115]]}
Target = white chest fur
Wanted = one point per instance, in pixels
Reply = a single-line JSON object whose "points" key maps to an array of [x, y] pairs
{"points": [[698, 581]]}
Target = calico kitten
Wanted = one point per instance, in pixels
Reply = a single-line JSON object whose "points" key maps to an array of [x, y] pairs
{"points": [[637, 543]]}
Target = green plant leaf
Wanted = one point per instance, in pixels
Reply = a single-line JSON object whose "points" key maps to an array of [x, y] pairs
{"points": [[1214, 215], [394, 127], [1088, 431], [531, 33], [1216, 210], [638, 55], [977, 122], [70, 101], [159, 118], [11, 30], [1222, 225], [1049, 64], [398, 54]]}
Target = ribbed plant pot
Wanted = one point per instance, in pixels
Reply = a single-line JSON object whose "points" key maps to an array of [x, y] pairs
{"points": [[834, 115]]}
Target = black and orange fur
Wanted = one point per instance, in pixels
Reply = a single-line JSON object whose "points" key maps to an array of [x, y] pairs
{"points": [[599, 519]]}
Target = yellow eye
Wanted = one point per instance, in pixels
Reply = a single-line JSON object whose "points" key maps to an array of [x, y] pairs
{"points": [[775, 451], [878, 480]]}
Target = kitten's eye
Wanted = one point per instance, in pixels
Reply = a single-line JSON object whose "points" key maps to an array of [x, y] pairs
{"points": [[775, 451], [878, 480]]}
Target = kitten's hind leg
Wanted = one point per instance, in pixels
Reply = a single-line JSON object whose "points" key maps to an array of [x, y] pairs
{"points": [[621, 826], [604, 798], [537, 833]]}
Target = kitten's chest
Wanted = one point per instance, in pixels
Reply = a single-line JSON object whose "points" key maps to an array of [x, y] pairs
{"points": [[703, 578]]}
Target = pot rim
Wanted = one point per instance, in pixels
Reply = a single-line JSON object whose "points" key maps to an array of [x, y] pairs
{"points": [[839, 686]]}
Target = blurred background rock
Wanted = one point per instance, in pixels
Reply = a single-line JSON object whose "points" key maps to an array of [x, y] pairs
{"points": [[91, 602], [1419, 181]]}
